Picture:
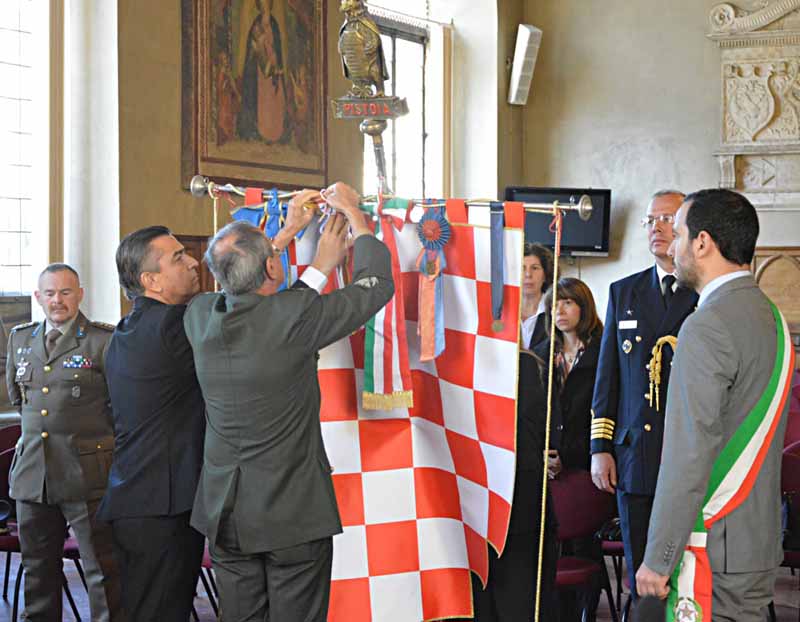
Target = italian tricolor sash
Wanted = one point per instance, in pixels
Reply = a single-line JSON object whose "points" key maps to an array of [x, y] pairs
{"points": [[732, 478]]}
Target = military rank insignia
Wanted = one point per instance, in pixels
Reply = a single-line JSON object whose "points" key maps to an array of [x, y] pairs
{"points": [[78, 361]]}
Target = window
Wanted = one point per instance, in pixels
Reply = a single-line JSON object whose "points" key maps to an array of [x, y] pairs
{"points": [[404, 47], [24, 62]]}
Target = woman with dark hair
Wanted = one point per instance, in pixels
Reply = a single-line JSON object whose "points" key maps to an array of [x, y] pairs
{"points": [[578, 333], [577, 347], [537, 277]]}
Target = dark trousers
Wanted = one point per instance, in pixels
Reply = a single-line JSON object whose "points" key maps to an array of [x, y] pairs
{"points": [[159, 559], [510, 593], [634, 521], [42, 530], [285, 585]]}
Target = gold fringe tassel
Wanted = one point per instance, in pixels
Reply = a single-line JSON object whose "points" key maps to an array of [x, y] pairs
{"points": [[387, 401]]}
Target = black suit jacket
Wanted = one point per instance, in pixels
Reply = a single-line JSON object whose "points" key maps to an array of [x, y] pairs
{"points": [[576, 406], [531, 419], [265, 465], [159, 415], [624, 422]]}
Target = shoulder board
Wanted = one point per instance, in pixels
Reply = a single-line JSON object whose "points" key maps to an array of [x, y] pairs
{"points": [[24, 326], [103, 325]]}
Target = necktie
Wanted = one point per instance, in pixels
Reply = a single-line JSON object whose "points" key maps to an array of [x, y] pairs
{"points": [[50, 340], [668, 281]]}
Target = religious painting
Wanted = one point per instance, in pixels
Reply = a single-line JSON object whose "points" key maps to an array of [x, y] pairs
{"points": [[253, 100]]}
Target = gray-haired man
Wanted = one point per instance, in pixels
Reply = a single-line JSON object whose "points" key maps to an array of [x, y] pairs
{"points": [[265, 499]]}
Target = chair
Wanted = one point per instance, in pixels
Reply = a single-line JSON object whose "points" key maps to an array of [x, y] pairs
{"points": [[793, 423], [9, 542], [210, 586], [9, 436], [615, 549], [207, 577], [581, 510], [790, 484]]}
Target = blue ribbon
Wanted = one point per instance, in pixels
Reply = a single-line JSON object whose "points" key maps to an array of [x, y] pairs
{"points": [[275, 217], [497, 258], [276, 214]]}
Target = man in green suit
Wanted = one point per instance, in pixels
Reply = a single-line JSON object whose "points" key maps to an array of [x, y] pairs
{"points": [[265, 498]]}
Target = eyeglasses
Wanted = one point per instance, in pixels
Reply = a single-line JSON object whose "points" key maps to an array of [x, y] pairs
{"points": [[650, 221]]}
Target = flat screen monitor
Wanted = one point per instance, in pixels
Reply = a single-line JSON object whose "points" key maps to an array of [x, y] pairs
{"points": [[587, 238]]}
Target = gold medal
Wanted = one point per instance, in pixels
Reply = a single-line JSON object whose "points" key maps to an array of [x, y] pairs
{"points": [[430, 267], [497, 326], [627, 346]]}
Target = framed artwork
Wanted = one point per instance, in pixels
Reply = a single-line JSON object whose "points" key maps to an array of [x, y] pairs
{"points": [[254, 92]]}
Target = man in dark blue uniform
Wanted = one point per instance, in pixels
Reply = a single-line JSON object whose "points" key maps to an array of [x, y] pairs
{"points": [[629, 402]]}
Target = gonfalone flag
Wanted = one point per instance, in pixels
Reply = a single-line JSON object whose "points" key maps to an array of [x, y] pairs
{"points": [[424, 490]]}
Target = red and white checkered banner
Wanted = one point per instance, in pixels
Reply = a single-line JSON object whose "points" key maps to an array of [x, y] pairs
{"points": [[423, 491]]}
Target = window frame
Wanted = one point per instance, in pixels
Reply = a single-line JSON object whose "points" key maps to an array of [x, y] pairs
{"points": [[396, 29]]}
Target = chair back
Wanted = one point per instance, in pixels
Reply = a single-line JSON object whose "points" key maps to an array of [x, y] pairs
{"points": [[790, 469], [581, 508], [6, 457], [793, 422], [9, 436]]}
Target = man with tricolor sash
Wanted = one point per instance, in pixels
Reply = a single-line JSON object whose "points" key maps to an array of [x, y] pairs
{"points": [[714, 542]]}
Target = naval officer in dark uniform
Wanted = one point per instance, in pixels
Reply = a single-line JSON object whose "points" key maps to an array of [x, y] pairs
{"points": [[627, 414], [265, 499], [56, 378]]}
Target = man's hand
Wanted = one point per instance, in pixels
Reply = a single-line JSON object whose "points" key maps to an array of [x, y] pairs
{"points": [[298, 215], [344, 199], [604, 472], [297, 218], [554, 466], [332, 247], [650, 583]]}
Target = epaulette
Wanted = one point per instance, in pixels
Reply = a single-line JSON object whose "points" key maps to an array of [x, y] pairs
{"points": [[103, 325], [22, 326]]}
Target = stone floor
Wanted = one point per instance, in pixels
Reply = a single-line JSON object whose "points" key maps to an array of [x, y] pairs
{"points": [[787, 597]]}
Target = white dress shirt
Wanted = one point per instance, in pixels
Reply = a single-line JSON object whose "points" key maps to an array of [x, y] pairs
{"points": [[314, 278], [661, 274], [530, 323]]}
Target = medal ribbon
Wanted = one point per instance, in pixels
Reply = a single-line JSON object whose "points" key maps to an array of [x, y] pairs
{"points": [[434, 232], [497, 258], [387, 373], [269, 217], [732, 477]]}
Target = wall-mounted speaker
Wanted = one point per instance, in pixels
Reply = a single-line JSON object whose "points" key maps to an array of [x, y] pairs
{"points": [[527, 49]]}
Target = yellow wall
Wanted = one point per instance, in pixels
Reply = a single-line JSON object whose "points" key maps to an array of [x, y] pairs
{"points": [[150, 120]]}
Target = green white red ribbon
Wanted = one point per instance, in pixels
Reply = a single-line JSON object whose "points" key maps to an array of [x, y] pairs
{"points": [[732, 477], [387, 374]]}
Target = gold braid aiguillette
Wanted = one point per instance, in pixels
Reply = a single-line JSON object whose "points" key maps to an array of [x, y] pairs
{"points": [[655, 367]]}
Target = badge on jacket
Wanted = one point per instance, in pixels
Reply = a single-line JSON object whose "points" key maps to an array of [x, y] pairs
{"points": [[77, 361]]}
